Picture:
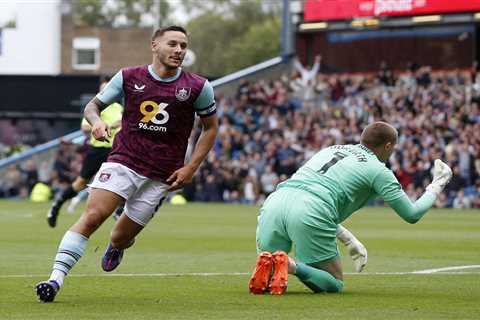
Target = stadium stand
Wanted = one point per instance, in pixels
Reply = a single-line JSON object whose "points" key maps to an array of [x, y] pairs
{"points": [[267, 130], [268, 126]]}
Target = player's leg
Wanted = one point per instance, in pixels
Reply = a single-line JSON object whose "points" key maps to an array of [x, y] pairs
{"points": [[122, 237], [64, 195], [91, 164], [76, 201], [110, 187], [314, 235], [271, 239], [323, 276], [100, 205], [139, 210]]}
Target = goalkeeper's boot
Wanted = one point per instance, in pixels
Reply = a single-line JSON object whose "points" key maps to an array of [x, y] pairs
{"points": [[52, 215], [112, 258], [278, 283], [47, 290], [261, 275]]}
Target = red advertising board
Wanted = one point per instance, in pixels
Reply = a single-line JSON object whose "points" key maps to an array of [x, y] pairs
{"points": [[315, 10]]}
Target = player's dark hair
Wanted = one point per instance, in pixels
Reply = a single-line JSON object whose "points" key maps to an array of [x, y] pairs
{"points": [[378, 134], [159, 32]]}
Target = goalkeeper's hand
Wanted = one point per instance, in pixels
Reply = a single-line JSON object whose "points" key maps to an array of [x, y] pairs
{"points": [[441, 176], [358, 253]]}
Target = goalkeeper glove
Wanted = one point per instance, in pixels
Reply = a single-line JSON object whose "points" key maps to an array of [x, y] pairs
{"points": [[355, 248], [359, 255], [441, 176]]}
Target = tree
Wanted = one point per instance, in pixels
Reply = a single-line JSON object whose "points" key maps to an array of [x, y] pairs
{"points": [[226, 35], [234, 34], [130, 13], [133, 10], [92, 13], [259, 43], [165, 13]]}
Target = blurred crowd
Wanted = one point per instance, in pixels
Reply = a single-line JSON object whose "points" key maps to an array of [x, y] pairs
{"points": [[57, 172], [268, 129]]}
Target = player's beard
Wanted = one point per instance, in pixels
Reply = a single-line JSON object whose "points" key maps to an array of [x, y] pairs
{"points": [[169, 63]]}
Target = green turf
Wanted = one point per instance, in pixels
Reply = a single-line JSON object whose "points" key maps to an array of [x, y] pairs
{"points": [[201, 238]]}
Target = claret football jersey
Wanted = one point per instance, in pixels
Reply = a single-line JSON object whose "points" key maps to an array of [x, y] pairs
{"points": [[158, 117]]}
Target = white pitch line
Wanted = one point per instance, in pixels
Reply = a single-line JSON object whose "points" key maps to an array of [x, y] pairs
{"points": [[427, 271], [439, 271]]}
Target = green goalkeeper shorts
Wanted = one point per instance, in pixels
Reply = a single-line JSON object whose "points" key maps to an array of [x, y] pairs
{"points": [[293, 216]]}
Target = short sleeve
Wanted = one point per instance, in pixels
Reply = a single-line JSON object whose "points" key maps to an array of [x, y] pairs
{"points": [[113, 91], [205, 103]]}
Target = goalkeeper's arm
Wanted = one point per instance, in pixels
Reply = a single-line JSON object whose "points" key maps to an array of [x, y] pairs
{"points": [[410, 211], [413, 211]]}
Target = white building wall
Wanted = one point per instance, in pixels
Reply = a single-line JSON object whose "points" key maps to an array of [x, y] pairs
{"points": [[33, 47]]}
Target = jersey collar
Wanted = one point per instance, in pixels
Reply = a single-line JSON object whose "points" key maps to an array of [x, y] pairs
{"points": [[366, 149], [157, 77]]}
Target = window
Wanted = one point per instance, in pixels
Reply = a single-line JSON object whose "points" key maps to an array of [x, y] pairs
{"points": [[86, 53]]}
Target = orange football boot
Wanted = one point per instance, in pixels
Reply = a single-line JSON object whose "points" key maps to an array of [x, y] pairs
{"points": [[278, 283], [258, 283]]}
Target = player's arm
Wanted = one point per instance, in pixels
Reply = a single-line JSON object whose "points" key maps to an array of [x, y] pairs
{"points": [[113, 92], [100, 130], [387, 186], [316, 67], [206, 109], [205, 143]]}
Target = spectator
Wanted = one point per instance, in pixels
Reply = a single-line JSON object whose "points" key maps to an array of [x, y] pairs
{"points": [[268, 180], [250, 190], [461, 202], [30, 175], [265, 133], [12, 182]]}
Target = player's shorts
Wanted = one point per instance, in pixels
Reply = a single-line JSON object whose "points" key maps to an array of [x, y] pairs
{"points": [[293, 216], [143, 195], [93, 160]]}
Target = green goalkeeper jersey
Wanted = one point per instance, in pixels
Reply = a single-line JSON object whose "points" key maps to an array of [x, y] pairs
{"points": [[346, 177]]}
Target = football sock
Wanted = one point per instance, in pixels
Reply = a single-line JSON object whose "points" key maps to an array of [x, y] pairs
{"points": [[65, 194], [70, 250], [318, 280]]}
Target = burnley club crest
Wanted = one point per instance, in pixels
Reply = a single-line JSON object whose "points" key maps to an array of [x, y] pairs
{"points": [[182, 93], [104, 177]]}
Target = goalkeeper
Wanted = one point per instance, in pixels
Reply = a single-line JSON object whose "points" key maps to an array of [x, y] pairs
{"points": [[306, 209]]}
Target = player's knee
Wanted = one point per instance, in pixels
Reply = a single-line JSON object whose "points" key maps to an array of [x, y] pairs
{"points": [[92, 221], [93, 217]]}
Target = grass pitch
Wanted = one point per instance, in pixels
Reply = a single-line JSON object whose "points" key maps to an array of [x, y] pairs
{"points": [[193, 262]]}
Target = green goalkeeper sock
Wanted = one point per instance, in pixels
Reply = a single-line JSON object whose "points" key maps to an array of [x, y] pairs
{"points": [[318, 280]]}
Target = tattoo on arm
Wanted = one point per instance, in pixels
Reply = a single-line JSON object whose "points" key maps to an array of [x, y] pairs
{"points": [[93, 109]]}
